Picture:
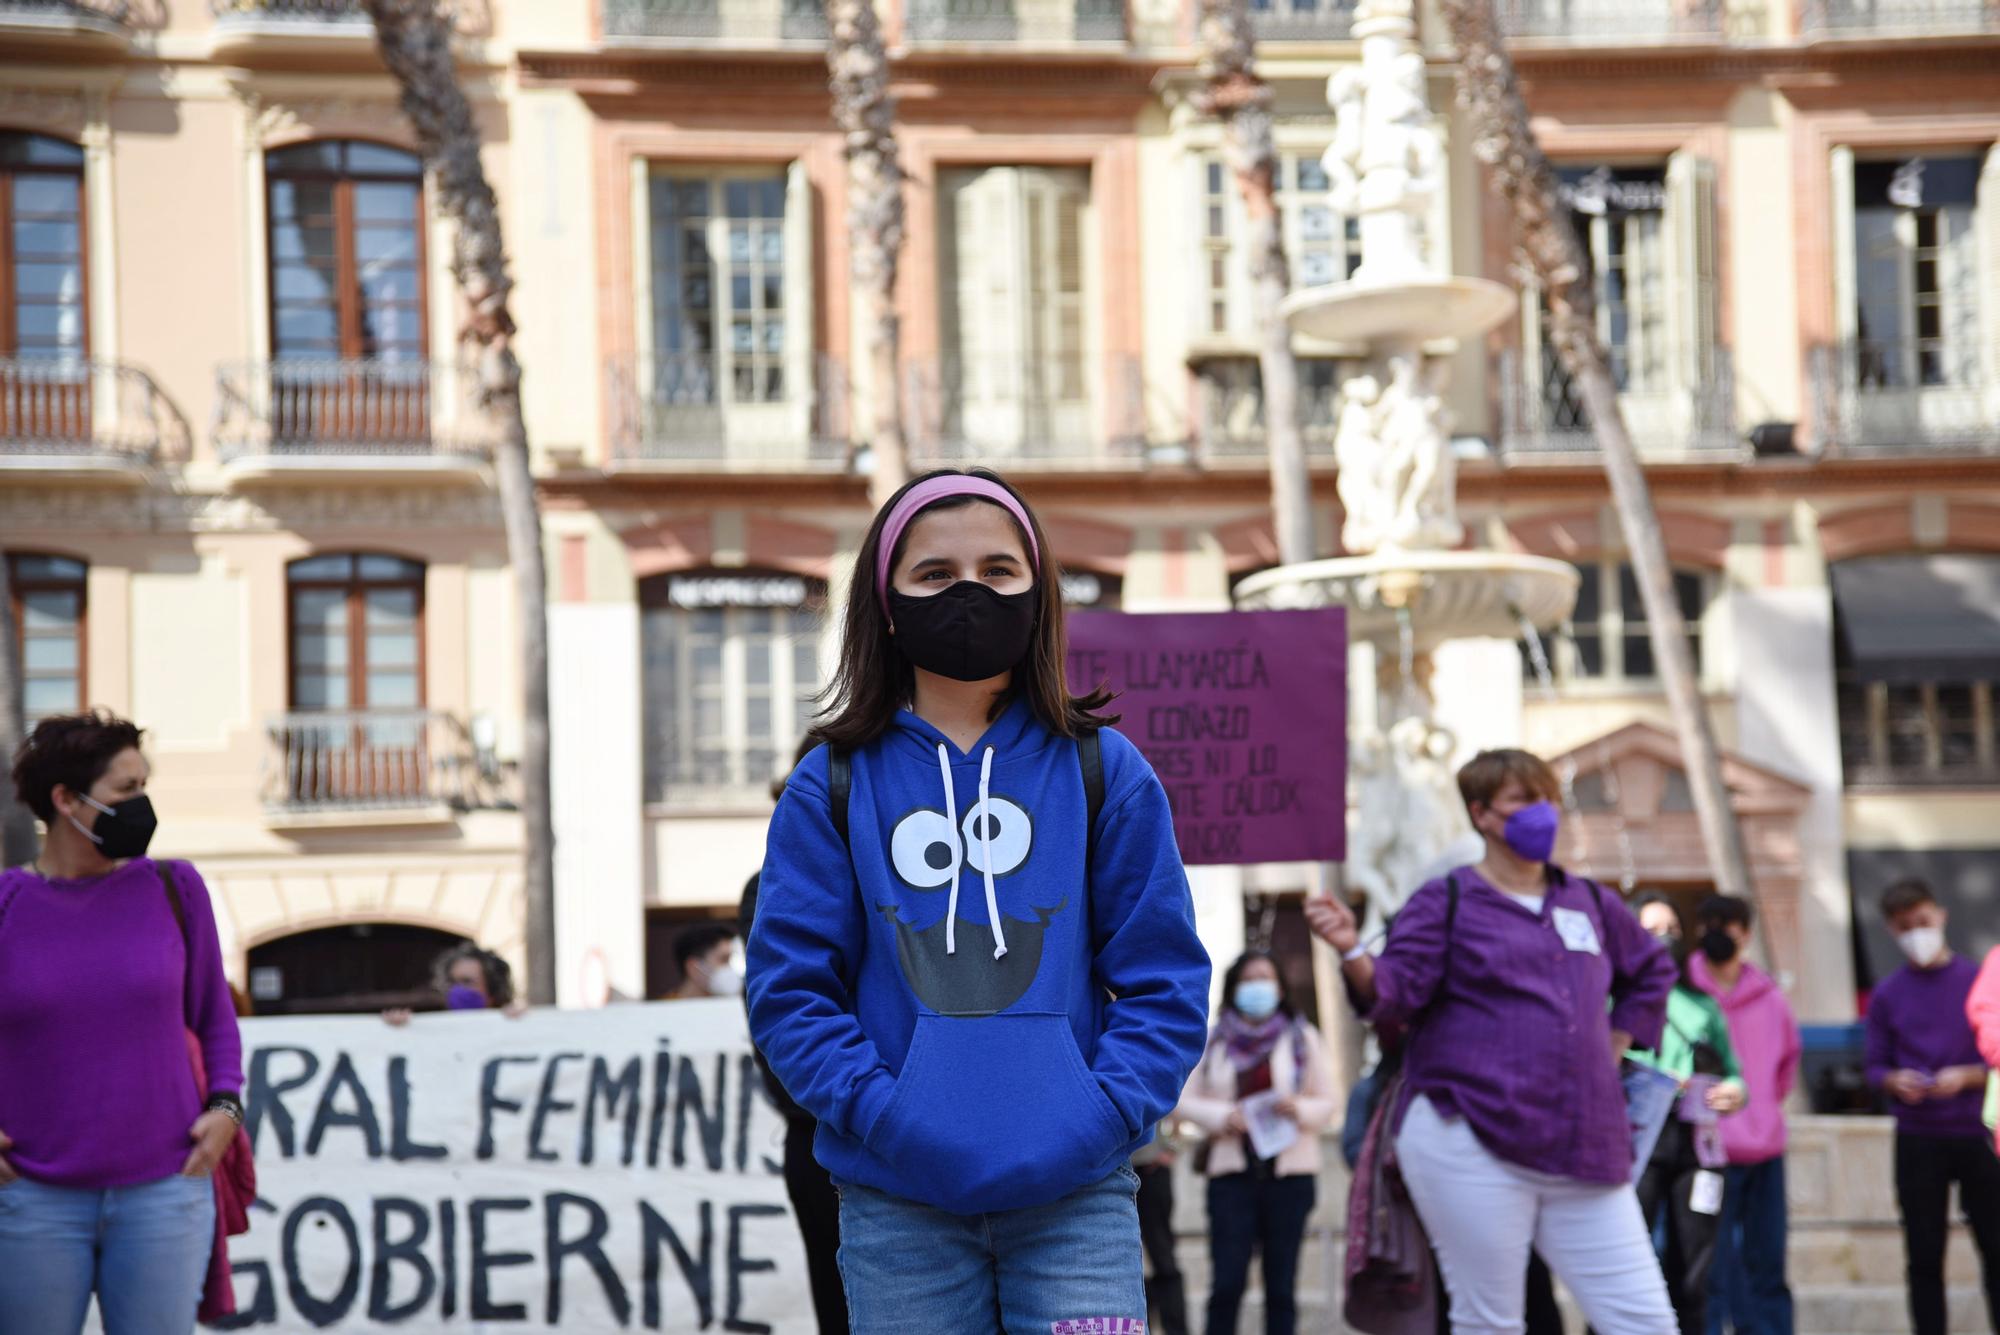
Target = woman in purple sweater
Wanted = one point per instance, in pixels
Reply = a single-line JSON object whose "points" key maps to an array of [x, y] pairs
{"points": [[106, 1142]]}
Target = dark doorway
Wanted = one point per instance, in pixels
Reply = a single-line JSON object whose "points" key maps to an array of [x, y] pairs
{"points": [[663, 927], [356, 968], [1277, 923]]}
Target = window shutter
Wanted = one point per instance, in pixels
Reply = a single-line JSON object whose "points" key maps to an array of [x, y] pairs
{"points": [[1054, 375], [801, 379], [1987, 221], [1691, 325]]}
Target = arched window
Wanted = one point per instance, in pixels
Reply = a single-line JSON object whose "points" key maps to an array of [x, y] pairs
{"points": [[357, 632], [731, 663], [347, 252], [1606, 638], [47, 607]]}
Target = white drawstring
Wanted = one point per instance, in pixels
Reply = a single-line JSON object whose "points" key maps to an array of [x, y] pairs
{"points": [[957, 857], [985, 819]]}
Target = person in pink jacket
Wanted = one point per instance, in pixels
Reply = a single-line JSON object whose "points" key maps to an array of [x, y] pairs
{"points": [[1747, 1288], [1263, 1083], [1982, 1009]]}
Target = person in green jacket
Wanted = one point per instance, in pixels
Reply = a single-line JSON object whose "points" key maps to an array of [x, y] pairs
{"points": [[1685, 1176]]}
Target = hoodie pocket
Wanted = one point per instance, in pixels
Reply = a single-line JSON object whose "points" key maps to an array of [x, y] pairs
{"points": [[995, 1112]]}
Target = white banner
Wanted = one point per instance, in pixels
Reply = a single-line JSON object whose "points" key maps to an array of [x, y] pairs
{"points": [[618, 1169]]}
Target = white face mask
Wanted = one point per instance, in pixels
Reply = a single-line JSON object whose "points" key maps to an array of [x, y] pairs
{"points": [[725, 981], [1922, 945]]}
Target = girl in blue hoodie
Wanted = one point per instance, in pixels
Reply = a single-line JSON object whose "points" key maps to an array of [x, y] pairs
{"points": [[986, 997]]}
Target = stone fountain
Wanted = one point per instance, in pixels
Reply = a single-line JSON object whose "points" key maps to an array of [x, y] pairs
{"points": [[1407, 586]]}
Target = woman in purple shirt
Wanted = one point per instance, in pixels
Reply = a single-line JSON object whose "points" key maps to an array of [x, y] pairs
{"points": [[106, 1143], [1511, 1130]]}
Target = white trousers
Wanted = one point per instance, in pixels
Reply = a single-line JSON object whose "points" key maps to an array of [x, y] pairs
{"points": [[1483, 1214]]}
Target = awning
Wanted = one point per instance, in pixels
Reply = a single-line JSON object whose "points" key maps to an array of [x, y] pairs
{"points": [[1915, 619]]}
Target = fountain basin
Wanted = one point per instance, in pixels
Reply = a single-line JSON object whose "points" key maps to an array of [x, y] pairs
{"points": [[1415, 309], [1447, 595]]}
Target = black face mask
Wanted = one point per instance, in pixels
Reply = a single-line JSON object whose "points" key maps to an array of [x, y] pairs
{"points": [[1676, 946], [1719, 946], [122, 831], [968, 632]]}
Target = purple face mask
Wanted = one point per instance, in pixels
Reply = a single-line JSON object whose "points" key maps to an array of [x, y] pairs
{"points": [[1531, 831], [463, 998]]}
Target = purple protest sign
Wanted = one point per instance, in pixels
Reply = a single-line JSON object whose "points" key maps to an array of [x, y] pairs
{"points": [[1244, 718]]}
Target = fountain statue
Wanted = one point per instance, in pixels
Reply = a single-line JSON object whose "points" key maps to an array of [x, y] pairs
{"points": [[1406, 581]]}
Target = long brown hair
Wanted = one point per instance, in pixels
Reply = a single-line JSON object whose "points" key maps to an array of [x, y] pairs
{"points": [[873, 679]]}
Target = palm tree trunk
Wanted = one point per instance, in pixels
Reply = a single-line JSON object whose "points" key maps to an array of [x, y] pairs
{"points": [[858, 69], [1236, 95], [414, 38], [17, 823], [1548, 246]]}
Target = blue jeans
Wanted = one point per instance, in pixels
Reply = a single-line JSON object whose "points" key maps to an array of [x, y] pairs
{"points": [[1248, 1214], [143, 1250], [1045, 1270], [1747, 1289]]}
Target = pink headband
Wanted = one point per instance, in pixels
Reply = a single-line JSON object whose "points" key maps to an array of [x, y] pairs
{"points": [[925, 494]]}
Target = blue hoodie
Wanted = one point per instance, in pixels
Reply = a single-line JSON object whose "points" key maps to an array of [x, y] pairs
{"points": [[941, 1069]]}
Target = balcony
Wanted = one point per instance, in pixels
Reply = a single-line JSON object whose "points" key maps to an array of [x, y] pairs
{"points": [[1614, 22], [1905, 396], [100, 23], [748, 23], [1303, 20], [313, 422], [1060, 413], [1897, 18], [375, 765], [1229, 404], [1542, 419], [1028, 23], [694, 412], [80, 419], [253, 30]]}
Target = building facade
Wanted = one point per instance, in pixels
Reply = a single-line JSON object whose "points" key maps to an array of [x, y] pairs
{"points": [[243, 499]]}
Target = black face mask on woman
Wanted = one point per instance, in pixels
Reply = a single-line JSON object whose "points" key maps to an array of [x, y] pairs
{"points": [[121, 831], [968, 632]]}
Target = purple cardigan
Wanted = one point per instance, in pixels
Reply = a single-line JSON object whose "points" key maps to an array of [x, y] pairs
{"points": [[1515, 1036], [95, 1085]]}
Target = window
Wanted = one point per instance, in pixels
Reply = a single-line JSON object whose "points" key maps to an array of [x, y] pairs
{"points": [[1606, 638], [44, 389], [718, 246], [1323, 247], [1620, 216], [41, 248], [1014, 247], [347, 252], [1232, 404], [357, 630], [1916, 273], [731, 666], [48, 606]]}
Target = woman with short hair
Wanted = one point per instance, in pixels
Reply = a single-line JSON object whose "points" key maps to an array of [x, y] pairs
{"points": [[1524, 986], [109, 962]]}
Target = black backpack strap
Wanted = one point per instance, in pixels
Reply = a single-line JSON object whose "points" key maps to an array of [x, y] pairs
{"points": [[1090, 759], [167, 882], [1450, 920], [839, 783]]}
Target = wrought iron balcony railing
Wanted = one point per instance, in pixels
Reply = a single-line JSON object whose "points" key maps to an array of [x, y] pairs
{"points": [[357, 408], [696, 409], [1080, 411], [1303, 20], [716, 20], [1905, 395], [1230, 408], [1026, 22], [85, 409], [380, 760], [1615, 20], [1542, 414], [110, 17], [1897, 18], [468, 17]]}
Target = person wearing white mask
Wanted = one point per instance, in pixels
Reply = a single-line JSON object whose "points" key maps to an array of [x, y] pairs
{"points": [[1263, 1093], [1922, 1053], [706, 955]]}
